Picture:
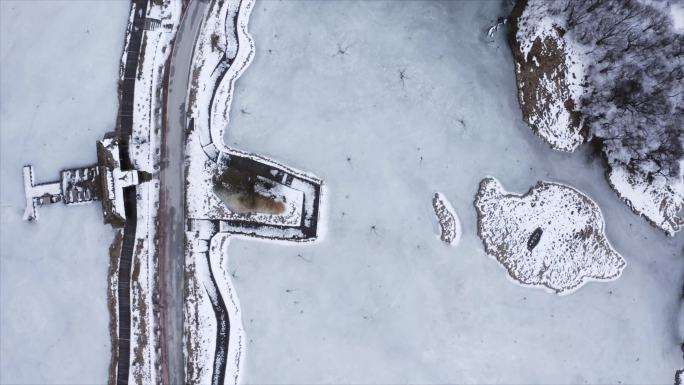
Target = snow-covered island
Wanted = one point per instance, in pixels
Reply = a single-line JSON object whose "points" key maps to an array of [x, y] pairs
{"points": [[449, 224], [609, 73], [551, 237]]}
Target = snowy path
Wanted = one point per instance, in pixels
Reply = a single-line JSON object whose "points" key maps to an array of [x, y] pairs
{"points": [[172, 185]]}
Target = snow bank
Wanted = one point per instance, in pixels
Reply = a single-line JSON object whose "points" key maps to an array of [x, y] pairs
{"points": [[218, 255], [213, 332], [551, 237], [58, 71], [223, 51]]}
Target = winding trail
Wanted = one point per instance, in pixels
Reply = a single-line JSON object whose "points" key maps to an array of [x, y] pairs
{"points": [[222, 328]]}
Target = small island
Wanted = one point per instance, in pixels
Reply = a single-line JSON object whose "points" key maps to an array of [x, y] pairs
{"points": [[449, 224], [550, 237]]}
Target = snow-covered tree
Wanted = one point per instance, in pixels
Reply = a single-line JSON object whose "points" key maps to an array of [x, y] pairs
{"points": [[633, 102]]}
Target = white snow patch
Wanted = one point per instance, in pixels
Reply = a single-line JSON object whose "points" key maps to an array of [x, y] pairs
{"points": [[659, 202], [541, 28]]}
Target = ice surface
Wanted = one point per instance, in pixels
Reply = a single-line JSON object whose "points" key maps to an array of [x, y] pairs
{"points": [[59, 65], [394, 305]]}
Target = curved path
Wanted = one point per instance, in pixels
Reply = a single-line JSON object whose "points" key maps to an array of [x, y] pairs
{"points": [[222, 329], [171, 226], [124, 287]]}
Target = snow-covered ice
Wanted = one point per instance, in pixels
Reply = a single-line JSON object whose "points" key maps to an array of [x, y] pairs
{"points": [[393, 305], [59, 65], [551, 237]]}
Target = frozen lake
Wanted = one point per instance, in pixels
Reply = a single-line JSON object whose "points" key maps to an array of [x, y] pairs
{"points": [[59, 63], [326, 94], [395, 304]]}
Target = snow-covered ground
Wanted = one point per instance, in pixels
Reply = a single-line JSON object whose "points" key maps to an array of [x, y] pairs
{"points": [[659, 202], [552, 236], [390, 303], [59, 66]]}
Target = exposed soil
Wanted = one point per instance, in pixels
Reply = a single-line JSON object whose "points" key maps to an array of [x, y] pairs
{"points": [[547, 60]]}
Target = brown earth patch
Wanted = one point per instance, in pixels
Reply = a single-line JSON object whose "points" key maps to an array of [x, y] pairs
{"points": [[551, 64]]}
